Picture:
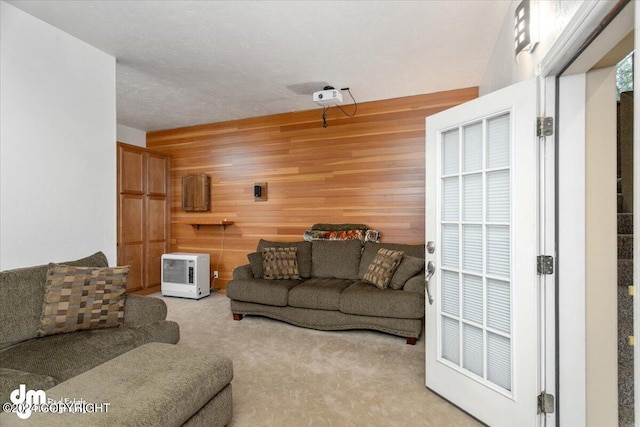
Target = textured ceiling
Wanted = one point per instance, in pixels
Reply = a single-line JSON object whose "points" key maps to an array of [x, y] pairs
{"points": [[182, 63]]}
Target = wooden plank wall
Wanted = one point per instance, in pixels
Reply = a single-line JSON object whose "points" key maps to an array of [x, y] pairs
{"points": [[367, 169]]}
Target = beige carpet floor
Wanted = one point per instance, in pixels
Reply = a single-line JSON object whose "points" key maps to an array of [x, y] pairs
{"points": [[290, 376]]}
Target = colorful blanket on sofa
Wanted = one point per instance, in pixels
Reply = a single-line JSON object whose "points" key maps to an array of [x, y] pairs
{"points": [[341, 232]]}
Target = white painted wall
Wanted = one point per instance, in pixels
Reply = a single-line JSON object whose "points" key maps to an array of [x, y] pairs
{"points": [[556, 27], [132, 136], [57, 144], [502, 70]]}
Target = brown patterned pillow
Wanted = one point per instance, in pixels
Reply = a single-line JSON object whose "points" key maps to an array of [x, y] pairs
{"points": [[280, 263], [382, 267], [79, 298]]}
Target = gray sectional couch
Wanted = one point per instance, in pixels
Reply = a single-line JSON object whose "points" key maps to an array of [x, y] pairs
{"points": [[43, 362], [330, 293]]}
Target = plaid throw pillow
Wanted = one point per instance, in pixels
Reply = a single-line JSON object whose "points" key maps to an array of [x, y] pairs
{"points": [[280, 263], [382, 267], [79, 298]]}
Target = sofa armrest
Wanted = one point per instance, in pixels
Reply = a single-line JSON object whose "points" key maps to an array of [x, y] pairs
{"points": [[415, 284], [141, 310], [243, 272]]}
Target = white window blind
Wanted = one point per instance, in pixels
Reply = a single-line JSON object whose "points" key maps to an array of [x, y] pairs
{"points": [[472, 197], [472, 248], [472, 297], [498, 142], [450, 150], [499, 305], [473, 357], [451, 340], [450, 199], [499, 360], [498, 250], [475, 270], [450, 243], [472, 143], [450, 292]]}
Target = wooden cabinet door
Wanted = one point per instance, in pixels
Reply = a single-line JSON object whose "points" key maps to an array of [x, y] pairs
{"points": [[158, 173], [143, 214], [157, 215], [131, 238], [131, 170], [131, 215], [195, 193]]}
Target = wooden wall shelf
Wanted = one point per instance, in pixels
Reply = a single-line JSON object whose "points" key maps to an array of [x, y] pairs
{"points": [[197, 223]]}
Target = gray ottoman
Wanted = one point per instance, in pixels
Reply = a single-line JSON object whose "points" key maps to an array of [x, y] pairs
{"points": [[153, 385]]}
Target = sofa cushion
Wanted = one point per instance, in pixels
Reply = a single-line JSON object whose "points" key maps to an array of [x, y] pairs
{"points": [[371, 249], [337, 259], [409, 267], [255, 261], [261, 291], [79, 298], [367, 300], [303, 255], [10, 379], [382, 267], [21, 295], [280, 263], [141, 310], [318, 293], [63, 356], [143, 388]]}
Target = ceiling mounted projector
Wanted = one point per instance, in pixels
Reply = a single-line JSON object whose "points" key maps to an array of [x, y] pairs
{"points": [[327, 97]]}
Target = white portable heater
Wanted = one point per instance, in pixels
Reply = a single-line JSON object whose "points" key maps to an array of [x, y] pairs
{"points": [[185, 275]]}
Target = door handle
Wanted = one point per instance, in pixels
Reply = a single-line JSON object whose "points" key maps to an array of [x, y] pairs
{"points": [[430, 270]]}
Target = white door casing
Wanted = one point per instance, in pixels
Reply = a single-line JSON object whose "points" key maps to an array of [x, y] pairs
{"points": [[482, 343]]}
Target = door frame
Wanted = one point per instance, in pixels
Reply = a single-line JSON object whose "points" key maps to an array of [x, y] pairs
{"points": [[571, 218]]}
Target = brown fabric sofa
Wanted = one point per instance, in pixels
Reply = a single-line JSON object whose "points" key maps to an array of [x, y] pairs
{"points": [[43, 362], [330, 293]]}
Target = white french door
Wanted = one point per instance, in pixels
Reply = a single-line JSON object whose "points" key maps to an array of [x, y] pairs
{"points": [[482, 342]]}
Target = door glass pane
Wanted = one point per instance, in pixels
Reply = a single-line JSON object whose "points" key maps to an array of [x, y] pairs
{"points": [[498, 250], [450, 243], [450, 293], [498, 196], [450, 199], [498, 141], [472, 298], [473, 351], [451, 340], [499, 360], [472, 197], [450, 156], [475, 278], [499, 305], [472, 148], [472, 248]]}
